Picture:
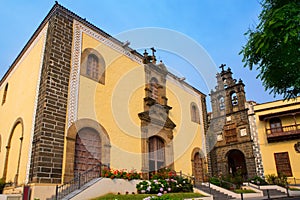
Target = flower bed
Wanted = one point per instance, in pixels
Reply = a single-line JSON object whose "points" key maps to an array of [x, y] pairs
{"points": [[122, 174], [165, 182]]}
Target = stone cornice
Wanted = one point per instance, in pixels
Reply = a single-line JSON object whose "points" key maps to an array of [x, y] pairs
{"points": [[167, 123]]}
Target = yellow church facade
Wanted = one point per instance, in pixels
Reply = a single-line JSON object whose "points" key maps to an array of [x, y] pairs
{"points": [[278, 125], [76, 97]]}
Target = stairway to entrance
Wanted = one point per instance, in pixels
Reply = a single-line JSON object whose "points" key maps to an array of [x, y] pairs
{"points": [[273, 193], [216, 194]]}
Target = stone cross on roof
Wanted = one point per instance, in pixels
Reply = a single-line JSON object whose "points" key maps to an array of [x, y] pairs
{"points": [[222, 67]]}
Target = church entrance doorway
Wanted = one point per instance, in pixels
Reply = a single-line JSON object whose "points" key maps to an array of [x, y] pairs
{"points": [[237, 163], [87, 150], [198, 168]]}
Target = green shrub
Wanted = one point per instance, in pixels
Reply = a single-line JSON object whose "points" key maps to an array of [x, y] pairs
{"points": [[258, 180], [215, 181], [280, 180], [164, 173]]}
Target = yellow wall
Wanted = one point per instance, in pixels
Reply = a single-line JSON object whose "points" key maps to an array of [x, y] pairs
{"points": [[268, 149], [188, 135], [122, 96], [21, 96], [112, 103]]}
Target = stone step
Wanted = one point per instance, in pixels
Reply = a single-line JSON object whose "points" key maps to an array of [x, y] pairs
{"points": [[273, 192], [216, 194]]}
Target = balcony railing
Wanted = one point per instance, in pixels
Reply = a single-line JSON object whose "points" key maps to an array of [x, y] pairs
{"points": [[283, 133]]}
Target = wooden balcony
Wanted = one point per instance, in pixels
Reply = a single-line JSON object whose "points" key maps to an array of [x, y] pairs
{"points": [[290, 132]]}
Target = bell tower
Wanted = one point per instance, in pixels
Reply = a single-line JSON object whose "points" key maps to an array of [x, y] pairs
{"points": [[232, 152]]}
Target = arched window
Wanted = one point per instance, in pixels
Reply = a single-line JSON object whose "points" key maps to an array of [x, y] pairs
{"points": [[234, 99], [222, 103], [93, 65], [195, 117], [4, 94], [154, 88], [275, 125], [92, 68], [156, 153]]}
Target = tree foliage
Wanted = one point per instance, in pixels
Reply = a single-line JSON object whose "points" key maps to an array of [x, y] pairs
{"points": [[273, 47]]}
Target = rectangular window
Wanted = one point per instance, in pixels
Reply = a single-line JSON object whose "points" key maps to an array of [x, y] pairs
{"points": [[283, 165]]}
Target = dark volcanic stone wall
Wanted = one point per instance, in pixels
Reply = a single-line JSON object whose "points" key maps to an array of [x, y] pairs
{"points": [[48, 140]]}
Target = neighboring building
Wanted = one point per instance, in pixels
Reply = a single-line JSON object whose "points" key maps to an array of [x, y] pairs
{"points": [[278, 124], [230, 136], [76, 97], [254, 137]]}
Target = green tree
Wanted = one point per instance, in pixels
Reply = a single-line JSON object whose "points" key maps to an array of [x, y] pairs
{"points": [[273, 47]]}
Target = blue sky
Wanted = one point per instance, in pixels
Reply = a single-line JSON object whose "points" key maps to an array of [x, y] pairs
{"points": [[218, 26]]}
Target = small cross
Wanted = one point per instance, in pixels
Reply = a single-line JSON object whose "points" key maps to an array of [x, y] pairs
{"points": [[222, 66], [153, 50]]}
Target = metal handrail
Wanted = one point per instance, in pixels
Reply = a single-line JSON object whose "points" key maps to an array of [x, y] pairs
{"points": [[293, 181], [231, 184], [80, 180], [226, 182], [191, 178]]}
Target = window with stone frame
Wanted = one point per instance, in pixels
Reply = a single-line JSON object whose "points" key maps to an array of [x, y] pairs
{"points": [[156, 153], [195, 116], [93, 65], [275, 125], [283, 165], [4, 94]]}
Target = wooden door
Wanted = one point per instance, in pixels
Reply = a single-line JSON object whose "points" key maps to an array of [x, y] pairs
{"points": [[198, 168], [87, 150]]}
